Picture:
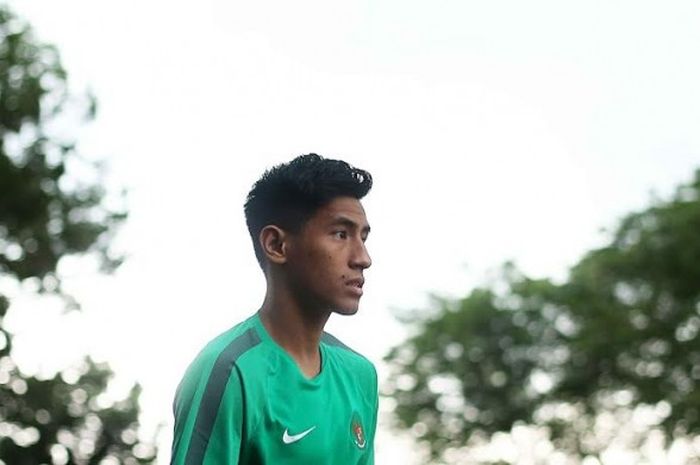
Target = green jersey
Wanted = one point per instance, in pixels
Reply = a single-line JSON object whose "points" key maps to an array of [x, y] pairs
{"points": [[244, 401]]}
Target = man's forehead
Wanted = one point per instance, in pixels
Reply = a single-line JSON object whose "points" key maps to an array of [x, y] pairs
{"points": [[344, 209]]}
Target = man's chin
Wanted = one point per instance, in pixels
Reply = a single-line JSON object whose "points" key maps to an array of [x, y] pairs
{"points": [[346, 310]]}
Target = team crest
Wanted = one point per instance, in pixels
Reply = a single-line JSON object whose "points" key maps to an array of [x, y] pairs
{"points": [[357, 431]]}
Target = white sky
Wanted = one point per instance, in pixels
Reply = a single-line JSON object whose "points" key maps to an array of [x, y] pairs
{"points": [[494, 130]]}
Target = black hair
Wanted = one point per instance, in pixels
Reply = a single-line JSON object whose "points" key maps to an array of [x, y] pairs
{"points": [[287, 195]]}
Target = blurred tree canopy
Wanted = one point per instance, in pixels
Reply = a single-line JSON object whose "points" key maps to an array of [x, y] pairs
{"points": [[610, 356], [47, 213]]}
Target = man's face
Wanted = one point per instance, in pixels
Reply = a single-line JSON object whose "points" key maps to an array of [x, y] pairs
{"points": [[327, 257]]}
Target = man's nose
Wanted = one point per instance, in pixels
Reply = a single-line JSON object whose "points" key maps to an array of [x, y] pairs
{"points": [[361, 258]]}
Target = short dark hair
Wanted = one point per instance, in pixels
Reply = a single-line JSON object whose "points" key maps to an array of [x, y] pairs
{"points": [[288, 194]]}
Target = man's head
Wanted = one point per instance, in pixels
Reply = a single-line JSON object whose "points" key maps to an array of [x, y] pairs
{"points": [[306, 221]]}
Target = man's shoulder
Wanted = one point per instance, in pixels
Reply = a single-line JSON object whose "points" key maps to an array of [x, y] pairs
{"points": [[208, 374], [232, 343], [356, 360], [228, 346]]}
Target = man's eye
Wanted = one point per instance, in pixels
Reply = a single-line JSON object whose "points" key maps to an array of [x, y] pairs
{"points": [[341, 234]]}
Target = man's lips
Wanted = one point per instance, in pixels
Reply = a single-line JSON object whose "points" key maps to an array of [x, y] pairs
{"points": [[359, 282], [355, 286]]}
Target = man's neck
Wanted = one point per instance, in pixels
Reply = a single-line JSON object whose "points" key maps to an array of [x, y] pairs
{"points": [[296, 329]]}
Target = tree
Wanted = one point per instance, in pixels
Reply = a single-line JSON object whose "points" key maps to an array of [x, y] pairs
{"points": [[46, 214], [609, 355]]}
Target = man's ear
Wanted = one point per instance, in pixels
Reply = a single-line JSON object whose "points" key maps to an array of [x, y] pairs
{"points": [[273, 242]]}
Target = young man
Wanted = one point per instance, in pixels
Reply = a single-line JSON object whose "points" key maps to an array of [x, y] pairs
{"points": [[276, 389]]}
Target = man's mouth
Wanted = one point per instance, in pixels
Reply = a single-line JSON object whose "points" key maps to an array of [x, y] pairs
{"points": [[355, 286], [359, 282]]}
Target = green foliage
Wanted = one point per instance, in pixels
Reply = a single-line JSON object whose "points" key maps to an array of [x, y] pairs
{"points": [[47, 213], [61, 419], [41, 220], [617, 339]]}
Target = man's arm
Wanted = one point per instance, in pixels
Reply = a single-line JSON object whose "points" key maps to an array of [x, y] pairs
{"points": [[369, 458], [208, 419]]}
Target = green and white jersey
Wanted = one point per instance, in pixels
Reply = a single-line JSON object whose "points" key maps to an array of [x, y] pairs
{"points": [[244, 401]]}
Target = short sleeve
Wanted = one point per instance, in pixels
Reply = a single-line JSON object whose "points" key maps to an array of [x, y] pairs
{"points": [[369, 457], [209, 418]]}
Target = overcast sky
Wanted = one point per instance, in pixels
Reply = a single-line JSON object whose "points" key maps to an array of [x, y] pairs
{"points": [[494, 131]]}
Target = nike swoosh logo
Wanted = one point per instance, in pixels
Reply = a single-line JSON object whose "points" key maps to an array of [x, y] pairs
{"points": [[288, 439]]}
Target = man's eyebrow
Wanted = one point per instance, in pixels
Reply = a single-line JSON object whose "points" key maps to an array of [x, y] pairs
{"points": [[345, 221]]}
